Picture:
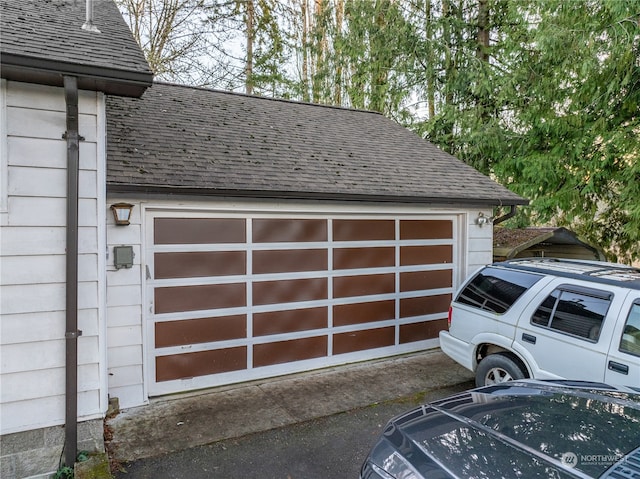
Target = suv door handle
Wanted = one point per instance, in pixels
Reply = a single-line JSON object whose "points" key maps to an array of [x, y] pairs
{"points": [[528, 338], [619, 368]]}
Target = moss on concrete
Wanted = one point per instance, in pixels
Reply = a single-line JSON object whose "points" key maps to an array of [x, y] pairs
{"points": [[95, 467]]}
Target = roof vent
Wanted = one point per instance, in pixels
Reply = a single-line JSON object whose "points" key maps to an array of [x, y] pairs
{"points": [[88, 24]]}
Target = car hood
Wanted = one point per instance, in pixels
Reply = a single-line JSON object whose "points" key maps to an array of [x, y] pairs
{"points": [[517, 429]]}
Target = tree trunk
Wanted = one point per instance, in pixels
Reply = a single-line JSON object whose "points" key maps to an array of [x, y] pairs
{"points": [[380, 57], [305, 50], [338, 82], [250, 37], [483, 30], [431, 97], [320, 33], [446, 40]]}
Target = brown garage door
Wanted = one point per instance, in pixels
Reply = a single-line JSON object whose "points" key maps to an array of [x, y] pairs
{"points": [[240, 298]]}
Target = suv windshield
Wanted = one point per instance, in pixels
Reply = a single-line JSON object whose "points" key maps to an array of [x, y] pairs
{"points": [[496, 289]]}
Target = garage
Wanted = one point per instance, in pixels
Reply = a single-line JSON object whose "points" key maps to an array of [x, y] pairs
{"points": [[245, 297], [271, 237]]}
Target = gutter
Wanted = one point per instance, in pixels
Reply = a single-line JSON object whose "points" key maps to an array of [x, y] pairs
{"points": [[209, 193], [90, 77], [102, 73], [72, 333], [510, 214]]}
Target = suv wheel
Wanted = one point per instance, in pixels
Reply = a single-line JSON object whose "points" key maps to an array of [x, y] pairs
{"points": [[498, 368]]}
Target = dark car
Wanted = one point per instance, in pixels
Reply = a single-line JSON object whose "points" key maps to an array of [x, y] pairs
{"points": [[518, 429]]}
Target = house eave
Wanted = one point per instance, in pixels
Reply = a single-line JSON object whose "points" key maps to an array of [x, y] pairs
{"points": [[49, 72], [204, 193]]}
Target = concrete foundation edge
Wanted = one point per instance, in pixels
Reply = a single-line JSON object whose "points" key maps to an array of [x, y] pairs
{"points": [[37, 453]]}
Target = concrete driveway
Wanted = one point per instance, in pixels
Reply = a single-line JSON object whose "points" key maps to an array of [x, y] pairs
{"points": [[316, 424]]}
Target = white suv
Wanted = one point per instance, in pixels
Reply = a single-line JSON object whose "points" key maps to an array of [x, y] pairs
{"points": [[548, 319]]}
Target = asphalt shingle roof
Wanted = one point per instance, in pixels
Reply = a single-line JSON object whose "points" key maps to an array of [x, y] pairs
{"points": [[49, 32], [190, 140]]}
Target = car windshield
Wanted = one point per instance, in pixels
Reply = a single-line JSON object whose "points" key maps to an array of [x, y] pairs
{"points": [[588, 431]]}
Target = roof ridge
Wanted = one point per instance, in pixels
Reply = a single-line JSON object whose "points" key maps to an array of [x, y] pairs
{"points": [[260, 97]]}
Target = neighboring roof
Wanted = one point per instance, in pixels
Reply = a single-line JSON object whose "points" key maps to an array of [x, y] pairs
{"points": [[509, 242], [194, 141], [42, 39]]}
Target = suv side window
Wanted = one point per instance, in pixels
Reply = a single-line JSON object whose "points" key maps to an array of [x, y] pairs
{"points": [[630, 342], [496, 289], [574, 311]]}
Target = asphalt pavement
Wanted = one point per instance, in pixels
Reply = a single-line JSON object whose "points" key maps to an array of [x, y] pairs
{"points": [[319, 424]]}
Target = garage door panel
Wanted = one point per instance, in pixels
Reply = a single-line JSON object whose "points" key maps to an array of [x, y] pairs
{"points": [[289, 291], [358, 313], [197, 264], [425, 280], [200, 330], [199, 230], [292, 321], [421, 331], [280, 352], [364, 230], [201, 297], [426, 229], [357, 258], [287, 261], [366, 339], [364, 285], [200, 363], [419, 255], [424, 305], [285, 230]]}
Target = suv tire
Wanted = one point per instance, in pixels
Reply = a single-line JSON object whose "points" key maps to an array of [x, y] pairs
{"points": [[498, 368]]}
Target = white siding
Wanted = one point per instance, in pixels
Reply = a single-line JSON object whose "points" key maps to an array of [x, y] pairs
{"points": [[3, 147], [126, 300], [480, 242], [32, 257], [124, 314]]}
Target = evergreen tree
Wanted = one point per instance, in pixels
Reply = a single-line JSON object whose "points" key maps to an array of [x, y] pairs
{"points": [[542, 96], [575, 153]]}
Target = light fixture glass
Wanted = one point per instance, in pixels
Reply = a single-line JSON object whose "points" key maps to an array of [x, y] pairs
{"points": [[482, 219], [122, 213]]}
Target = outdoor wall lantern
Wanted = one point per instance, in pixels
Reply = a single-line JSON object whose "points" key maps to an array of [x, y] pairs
{"points": [[482, 219], [122, 213]]}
